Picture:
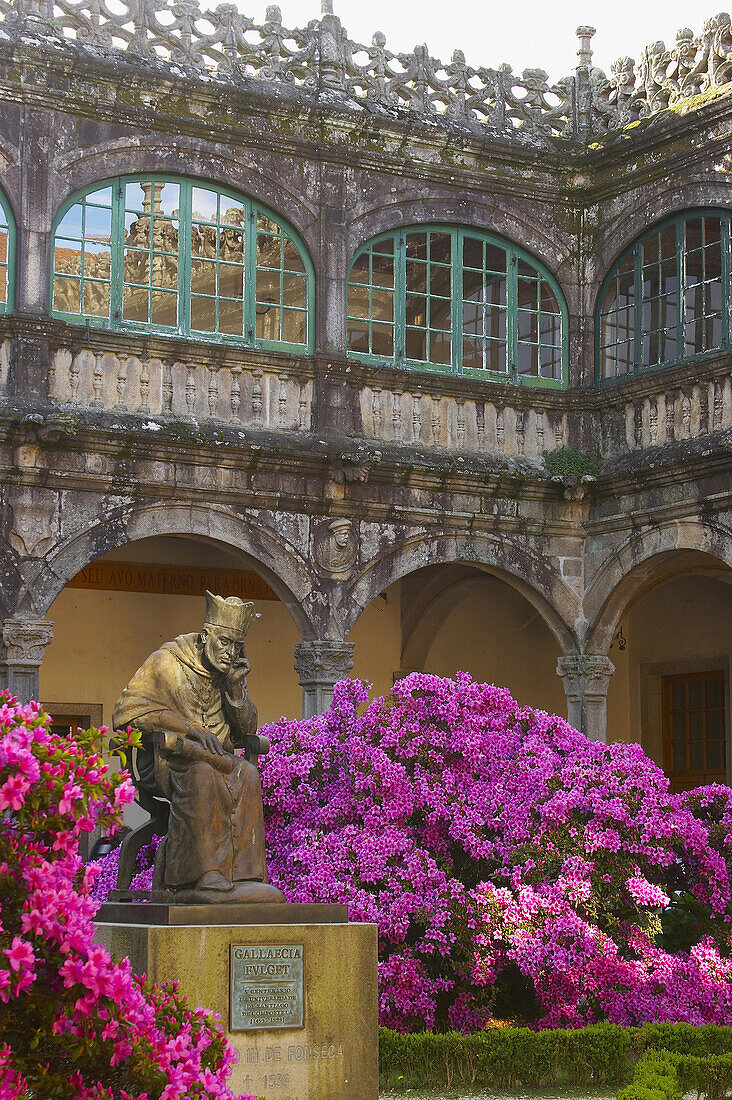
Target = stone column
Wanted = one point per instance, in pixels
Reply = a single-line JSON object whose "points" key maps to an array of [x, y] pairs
{"points": [[320, 665], [586, 679], [24, 641]]}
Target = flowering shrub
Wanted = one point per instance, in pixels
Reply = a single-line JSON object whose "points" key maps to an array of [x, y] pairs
{"points": [[513, 866], [74, 1024]]}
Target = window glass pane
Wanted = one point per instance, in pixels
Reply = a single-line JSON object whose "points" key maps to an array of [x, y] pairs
{"points": [[231, 317], [203, 313], [150, 263], [715, 757], [280, 281], [82, 246], [715, 693]]}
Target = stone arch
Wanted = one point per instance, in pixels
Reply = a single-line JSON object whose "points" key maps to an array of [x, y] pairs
{"points": [[545, 591], [634, 219], [190, 158], [647, 556], [477, 212], [276, 561]]}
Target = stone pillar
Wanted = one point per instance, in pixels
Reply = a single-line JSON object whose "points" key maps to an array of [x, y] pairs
{"points": [[320, 665], [586, 679], [24, 641]]}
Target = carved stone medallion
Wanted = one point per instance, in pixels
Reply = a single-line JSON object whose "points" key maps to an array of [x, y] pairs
{"points": [[335, 548]]}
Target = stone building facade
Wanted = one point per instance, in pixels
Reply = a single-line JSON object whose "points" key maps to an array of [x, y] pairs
{"points": [[433, 359]]}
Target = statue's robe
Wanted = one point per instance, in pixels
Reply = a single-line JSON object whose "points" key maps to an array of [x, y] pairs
{"points": [[216, 820]]}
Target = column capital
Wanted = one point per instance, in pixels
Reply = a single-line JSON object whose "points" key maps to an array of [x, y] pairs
{"points": [[589, 671], [586, 678], [320, 664], [323, 660], [25, 640]]}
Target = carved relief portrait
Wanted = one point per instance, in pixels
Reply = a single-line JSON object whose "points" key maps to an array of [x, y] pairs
{"points": [[335, 548]]}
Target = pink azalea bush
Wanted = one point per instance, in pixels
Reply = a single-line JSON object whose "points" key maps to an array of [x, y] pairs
{"points": [[513, 867], [74, 1024]]}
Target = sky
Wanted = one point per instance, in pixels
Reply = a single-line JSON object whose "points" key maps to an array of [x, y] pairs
{"points": [[524, 33]]}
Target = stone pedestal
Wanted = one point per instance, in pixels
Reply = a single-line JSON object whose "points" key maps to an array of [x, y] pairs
{"points": [[333, 1054]]}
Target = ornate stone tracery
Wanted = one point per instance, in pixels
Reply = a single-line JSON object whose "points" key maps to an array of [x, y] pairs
{"points": [[320, 59]]}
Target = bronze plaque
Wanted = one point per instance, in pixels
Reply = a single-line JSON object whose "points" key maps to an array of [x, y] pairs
{"points": [[266, 986]]}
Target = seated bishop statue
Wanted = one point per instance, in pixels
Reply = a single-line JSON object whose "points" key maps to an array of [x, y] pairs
{"points": [[190, 702]]}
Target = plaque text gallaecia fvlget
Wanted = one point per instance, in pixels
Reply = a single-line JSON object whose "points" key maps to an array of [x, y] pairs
{"points": [[266, 985]]}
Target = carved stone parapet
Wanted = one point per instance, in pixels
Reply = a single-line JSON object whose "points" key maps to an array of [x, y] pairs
{"points": [[24, 644], [320, 665], [586, 678]]}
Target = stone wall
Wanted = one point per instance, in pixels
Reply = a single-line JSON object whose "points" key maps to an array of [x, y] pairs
{"points": [[108, 437]]}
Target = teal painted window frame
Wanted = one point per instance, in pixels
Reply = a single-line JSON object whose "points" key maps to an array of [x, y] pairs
{"points": [[8, 223], [458, 234], [115, 320], [634, 251]]}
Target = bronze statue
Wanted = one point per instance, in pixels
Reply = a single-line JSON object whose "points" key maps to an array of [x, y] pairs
{"points": [[190, 702]]}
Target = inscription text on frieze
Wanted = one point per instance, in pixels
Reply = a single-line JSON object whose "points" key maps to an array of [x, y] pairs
{"points": [[266, 986]]}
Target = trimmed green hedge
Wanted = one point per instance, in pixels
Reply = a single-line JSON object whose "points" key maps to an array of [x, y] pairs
{"points": [[655, 1062]]}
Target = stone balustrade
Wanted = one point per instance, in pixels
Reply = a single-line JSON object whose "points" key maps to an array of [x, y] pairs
{"points": [[422, 417], [233, 394], [674, 411]]}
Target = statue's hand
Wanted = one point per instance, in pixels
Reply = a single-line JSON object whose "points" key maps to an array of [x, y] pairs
{"points": [[206, 740], [238, 674]]}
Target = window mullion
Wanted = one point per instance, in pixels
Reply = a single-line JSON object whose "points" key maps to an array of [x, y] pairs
{"points": [[117, 262], [637, 307], [456, 296], [250, 273], [681, 284], [725, 244], [400, 297], [185, 217], [512, 316]]}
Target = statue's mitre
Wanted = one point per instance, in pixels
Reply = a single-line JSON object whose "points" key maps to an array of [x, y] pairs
{"points": [[229, 612]]}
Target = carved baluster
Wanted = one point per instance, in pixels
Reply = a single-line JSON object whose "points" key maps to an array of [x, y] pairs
{"points": [[396, 413], [257, 395], [51, 378], [144, 406], [520, 430], [539, 421], [436, 419], [670, 418], [302, 406], [121, 385], [653, 422], [559, 432], [74, 380], [376, 411], [460, 403], [282, 402], [416, 416], [97, 378], [235, 392], [686, 415], [717, 405], [190, 388], [168, 388], [500, 427], [480, 422], [213, 391]]}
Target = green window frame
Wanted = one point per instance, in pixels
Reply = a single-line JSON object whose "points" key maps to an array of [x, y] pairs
{"points": [[7, 256], [456, 300], [185, 257], [666, 298]]}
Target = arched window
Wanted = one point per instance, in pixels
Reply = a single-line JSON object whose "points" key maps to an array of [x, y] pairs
{"points": [[457, 301], [666, 298], [7, 256], [179, 256]]}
